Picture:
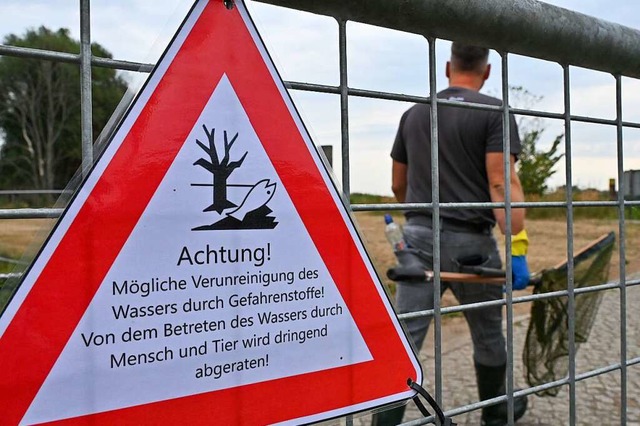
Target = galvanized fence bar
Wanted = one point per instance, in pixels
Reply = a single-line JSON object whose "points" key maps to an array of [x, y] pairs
{"points": [[535, 204], [506, 148], [435, 217], [86, 115], [34, 191], [531, 28], [344, 120], [30, 213], [621, 253], [344, 105], [36, 213], [571, 306], [522, 299]]}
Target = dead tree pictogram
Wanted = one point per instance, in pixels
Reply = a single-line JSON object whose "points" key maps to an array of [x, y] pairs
{"points": [[220, 170]]}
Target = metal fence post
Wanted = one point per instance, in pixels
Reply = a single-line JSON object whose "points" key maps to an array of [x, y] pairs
{"points": [[622, 253], [570, 272], [85, 86]]}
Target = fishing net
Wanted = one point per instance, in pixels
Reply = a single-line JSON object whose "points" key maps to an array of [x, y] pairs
{"points": [[546, 350]]}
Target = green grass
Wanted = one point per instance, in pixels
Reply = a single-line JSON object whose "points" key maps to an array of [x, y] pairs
{"points": [[542, 213], [360, 198], [5, 268], [632, 213], [602, 213]]}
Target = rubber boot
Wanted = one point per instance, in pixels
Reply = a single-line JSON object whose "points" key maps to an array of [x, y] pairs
{"points": [[392, 417], [491, 383]]}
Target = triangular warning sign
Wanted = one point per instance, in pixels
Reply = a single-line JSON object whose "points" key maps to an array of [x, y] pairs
{"points": [[206, 272]]}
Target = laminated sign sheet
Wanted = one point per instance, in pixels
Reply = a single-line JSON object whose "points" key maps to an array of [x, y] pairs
{"points": [[206, 271]]}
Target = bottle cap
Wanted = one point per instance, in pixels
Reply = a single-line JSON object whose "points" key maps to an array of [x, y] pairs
{"points": [[388, 219]]}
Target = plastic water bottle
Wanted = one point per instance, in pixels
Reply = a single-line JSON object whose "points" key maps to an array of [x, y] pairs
{"points": [[393, 232]]}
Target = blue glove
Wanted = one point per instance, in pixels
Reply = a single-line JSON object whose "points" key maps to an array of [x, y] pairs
{"points": [[520, 272], [519, 267]]}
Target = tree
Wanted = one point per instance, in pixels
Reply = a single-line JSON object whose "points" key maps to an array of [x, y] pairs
{"points": [[535, 166], [40, 111]]}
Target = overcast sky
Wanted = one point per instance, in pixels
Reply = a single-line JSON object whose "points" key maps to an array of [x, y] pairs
{"points": [[305, 48]]}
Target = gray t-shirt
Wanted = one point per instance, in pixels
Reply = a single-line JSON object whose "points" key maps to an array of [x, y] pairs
{"points": [[464, 137]]}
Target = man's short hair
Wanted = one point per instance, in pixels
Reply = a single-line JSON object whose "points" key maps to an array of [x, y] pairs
{"points": [[469, 58]]}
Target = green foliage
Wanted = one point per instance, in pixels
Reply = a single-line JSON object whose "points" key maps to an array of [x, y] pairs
{"points": [[40, 111], [536, 166]]}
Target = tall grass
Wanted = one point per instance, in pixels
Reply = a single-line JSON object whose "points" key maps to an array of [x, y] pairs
{"points": [[604, 213]]}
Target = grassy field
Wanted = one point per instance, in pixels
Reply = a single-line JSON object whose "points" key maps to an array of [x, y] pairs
{"points": [[18, 238]]}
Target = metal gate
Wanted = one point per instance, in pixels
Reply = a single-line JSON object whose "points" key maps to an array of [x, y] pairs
{"points": [[528, 28]]}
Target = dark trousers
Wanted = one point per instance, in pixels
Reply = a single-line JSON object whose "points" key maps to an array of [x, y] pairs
{"points": [[485, 324]]}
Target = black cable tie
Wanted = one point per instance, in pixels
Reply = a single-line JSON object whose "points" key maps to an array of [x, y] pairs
{"points": [[228, 4], [421, 406], [444, 421]]}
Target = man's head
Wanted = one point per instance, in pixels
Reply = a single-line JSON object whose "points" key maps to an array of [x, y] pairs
{"points": [[469, 66]]}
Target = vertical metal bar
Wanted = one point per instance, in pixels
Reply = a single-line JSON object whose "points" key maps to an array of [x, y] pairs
{"points": [[344, 123], [344, 106], [435, 198], [622, 254], [86, 118], [570, 272], [506, 146]]}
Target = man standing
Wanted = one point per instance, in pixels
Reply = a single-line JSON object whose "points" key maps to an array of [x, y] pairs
{"points": [[471, 169]]}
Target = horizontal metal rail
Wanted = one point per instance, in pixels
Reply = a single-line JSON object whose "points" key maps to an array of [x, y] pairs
{"points": [[54, 212], [34, 191], [516, 300], [31, 53], [525, 27], [30, 213], [488, 205]]}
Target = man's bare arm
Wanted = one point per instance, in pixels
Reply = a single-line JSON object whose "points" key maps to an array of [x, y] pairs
{"points": [[495, 175], [399, 180]]}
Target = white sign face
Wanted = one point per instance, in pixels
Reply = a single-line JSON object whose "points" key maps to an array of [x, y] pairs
{"points": [[186, 309]]}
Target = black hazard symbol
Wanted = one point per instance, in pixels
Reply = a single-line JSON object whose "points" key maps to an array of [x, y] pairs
{"points": [[247, 209]]}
